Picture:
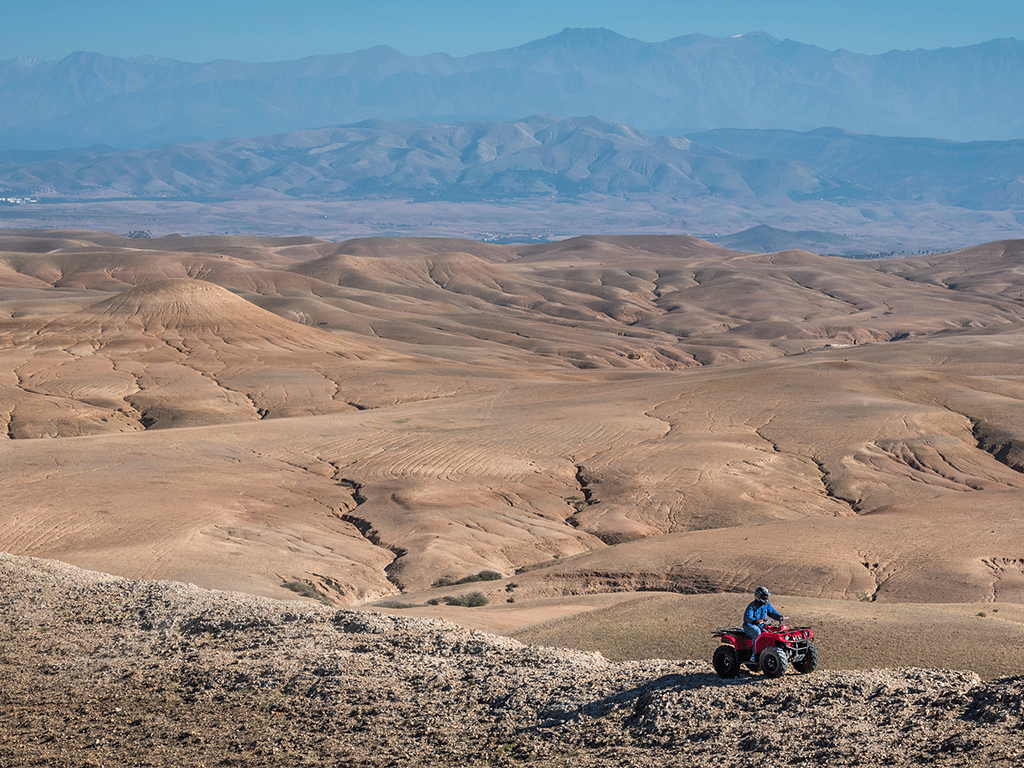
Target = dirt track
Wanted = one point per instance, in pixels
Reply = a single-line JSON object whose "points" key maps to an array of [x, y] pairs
{"points": [[99, 670]]}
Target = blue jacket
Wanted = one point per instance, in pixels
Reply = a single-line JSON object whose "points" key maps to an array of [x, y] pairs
{"points": [[757, 612]]}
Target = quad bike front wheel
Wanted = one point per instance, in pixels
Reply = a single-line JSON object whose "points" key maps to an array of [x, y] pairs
{"points": [[809, 662], [726, 662], [774, 661]]}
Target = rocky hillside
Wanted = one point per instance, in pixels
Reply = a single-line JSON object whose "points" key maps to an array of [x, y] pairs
{"points": [[580, 158], [99, 670]]}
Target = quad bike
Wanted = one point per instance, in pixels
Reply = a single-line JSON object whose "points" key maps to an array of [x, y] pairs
{"points": [[777, 647]]}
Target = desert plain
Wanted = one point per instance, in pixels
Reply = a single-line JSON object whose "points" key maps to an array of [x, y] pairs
{"points": [[613, 439]]}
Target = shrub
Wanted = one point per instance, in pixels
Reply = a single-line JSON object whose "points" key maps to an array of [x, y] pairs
{"points": [[306, 590], [395, 604], [444, 581], [536, 566], [471, 600]]}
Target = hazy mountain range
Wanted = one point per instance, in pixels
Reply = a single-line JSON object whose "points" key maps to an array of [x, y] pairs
{"points": [[539, 156], [687, 84]]}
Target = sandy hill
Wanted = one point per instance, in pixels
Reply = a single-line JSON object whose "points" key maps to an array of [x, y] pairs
{"points": [[197, 307], [169, 353], [101, 669], [586, 419]]}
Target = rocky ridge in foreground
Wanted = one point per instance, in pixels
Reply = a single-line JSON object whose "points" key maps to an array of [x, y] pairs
{"points": [[98, 670]]}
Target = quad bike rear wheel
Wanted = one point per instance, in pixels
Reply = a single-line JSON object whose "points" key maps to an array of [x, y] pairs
{"points": [[809, 662], [774, 661], [726, 662]]}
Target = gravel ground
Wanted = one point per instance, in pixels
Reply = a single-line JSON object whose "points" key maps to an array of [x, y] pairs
{"points": [[101, 671]]}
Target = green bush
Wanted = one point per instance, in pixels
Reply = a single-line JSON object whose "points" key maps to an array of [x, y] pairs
{"points": [[471, 600], [306, 590], [395, 604], [444, 581]]}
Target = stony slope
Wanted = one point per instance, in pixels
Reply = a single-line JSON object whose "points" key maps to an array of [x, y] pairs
{"points": [[99, 670]]}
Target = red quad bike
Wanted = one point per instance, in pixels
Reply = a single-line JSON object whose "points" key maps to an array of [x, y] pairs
{"points": [[777, 648]]}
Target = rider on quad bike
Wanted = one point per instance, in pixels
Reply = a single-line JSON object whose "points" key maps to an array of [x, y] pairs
{"points": [[762, 647], [757, 615]]}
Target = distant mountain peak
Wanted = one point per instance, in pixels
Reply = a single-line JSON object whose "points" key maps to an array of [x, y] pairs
{"points": [[760, 38], [683, 85], [589, 33], [584, 36]]}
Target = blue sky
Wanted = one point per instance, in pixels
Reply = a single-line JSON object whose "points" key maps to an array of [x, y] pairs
{"points": [[274, 30]]}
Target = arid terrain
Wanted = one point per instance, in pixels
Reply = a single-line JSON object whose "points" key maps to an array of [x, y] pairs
{"points": [[105, 671], [613, 439]]}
